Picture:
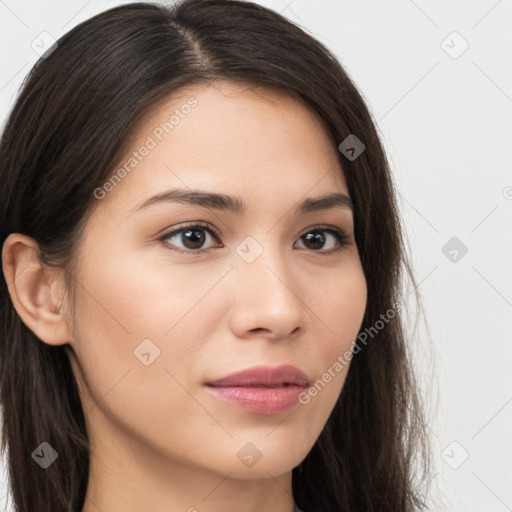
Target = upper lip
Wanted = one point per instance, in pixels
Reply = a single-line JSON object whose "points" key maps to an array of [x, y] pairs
{"points": [[264, 376]]}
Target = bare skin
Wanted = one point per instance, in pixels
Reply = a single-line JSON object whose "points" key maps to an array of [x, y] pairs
{"points": [[160, 440]]}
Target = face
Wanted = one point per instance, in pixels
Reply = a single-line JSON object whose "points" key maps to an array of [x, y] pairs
{"points": [[174, 294]]}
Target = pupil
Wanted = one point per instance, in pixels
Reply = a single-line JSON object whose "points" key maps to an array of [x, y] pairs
{"points": [[193, 238], [317, 238]]}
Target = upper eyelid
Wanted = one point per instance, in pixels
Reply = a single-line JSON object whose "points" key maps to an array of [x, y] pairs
{"points": [[208, 227], [198, 224]]}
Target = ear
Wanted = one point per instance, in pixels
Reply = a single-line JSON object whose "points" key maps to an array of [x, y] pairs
{"points": [[32, 293]]}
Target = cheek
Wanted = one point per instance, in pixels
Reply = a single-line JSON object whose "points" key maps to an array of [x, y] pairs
{"points": [[126, 318], [130, 313], [339, 314], [135, 297], [341, 309]]}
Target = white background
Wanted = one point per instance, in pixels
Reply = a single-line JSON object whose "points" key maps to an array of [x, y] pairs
{"points": [[446, 121]]}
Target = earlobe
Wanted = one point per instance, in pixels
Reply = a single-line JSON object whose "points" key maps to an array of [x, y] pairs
{"points": [[31, 290]]}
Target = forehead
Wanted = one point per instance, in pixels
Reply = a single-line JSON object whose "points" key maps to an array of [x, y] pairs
{"points": [[227, 137]]}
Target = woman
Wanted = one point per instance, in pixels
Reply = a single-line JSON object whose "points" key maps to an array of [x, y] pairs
{"points": [[202, 261]]}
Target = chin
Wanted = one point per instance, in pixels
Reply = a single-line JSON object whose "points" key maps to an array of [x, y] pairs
{"points": [[273, 467], [269, 456]]}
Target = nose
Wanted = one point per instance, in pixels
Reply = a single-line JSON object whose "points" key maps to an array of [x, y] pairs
{"points": [[267, 298]]}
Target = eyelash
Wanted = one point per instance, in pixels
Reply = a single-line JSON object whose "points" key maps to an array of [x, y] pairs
{"points": [[341, 237]]}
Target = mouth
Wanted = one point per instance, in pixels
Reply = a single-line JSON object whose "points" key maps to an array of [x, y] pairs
{"points": [[261, 390]]}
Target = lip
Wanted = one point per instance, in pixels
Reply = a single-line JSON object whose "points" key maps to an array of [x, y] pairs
{"points": [[261, 389], [264, 376]]}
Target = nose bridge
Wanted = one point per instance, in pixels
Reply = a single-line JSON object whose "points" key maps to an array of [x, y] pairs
{"points": [[263, 262]]}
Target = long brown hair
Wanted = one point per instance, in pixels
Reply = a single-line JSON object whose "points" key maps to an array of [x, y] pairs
{"points": [[66, 131]]}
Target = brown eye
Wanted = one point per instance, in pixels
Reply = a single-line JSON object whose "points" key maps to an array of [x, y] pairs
{"points": [[192, 238], [315, 239]]}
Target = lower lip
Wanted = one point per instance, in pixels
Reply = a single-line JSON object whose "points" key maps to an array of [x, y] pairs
{"points": [[259, 400]]}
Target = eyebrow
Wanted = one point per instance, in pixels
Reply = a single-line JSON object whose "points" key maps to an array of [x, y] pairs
{"points": [[223, 202]]}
